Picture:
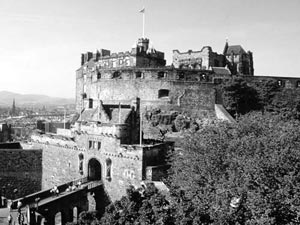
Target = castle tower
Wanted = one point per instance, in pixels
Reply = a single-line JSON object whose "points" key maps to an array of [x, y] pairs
{"points": [[143, 44]]}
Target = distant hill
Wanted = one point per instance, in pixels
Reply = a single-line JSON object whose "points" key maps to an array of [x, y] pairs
{"points": [[6, 99]]}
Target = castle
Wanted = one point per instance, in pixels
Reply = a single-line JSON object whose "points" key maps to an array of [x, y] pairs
{"points": [[129, 104]]}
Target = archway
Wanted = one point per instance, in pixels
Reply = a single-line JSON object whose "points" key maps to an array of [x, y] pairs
{"points": [[75, 214], [58, 218], [94, 169]]}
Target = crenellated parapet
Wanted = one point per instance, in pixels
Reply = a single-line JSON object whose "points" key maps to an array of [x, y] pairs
{"points": [[108, 130], [141, 55]]}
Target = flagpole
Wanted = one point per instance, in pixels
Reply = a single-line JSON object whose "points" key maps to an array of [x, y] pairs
{"points": [[144, 23], [143, 11]]}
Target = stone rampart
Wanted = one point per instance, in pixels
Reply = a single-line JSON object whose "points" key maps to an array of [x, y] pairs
{"points": [[20, 171]]}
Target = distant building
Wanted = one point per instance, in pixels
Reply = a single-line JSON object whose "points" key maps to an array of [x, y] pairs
{"points": [[234, 58], [51, 127], [5, 132], [238, 60], [201, 60]]}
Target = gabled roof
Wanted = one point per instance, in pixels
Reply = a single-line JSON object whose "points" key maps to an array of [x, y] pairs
{"points": [[88, 114], [221, 70], [116, 115], [123, 115], [235, 49]]}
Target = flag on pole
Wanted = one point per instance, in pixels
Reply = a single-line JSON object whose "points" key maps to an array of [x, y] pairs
{"points": [[142, 10]]}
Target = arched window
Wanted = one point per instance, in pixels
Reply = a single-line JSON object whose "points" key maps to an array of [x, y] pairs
{"points": [[108, 169], [80, 156], [163, 93], [161, 74], [58, 219], [91, 103], [116, 74], [75, 214], [98, 75]]}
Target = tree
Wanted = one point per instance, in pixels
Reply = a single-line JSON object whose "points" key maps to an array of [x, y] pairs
{"points": [[87, 218], [140, 206], [267, 90], [287, 102], [239, 98], [244, 173]]}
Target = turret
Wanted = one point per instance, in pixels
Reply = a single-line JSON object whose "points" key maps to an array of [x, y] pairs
{"points": [[143, 44]]}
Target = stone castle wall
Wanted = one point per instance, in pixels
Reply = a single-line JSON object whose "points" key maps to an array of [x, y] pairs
{"points": [[128, 163], [167, 89], [20, 172]]}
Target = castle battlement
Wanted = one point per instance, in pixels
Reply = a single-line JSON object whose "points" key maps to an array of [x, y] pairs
{"points": [[116, 130], [141, 55]]}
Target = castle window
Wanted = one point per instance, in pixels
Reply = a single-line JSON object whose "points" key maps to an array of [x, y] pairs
{"points": [[108, 169], [83, 95], [180, 76], [80, 156], [138, 74], [161, 74], [98, 75], [90, 103], [90, 144], [116, 74], [98, 145], [163, 93], [197, 66]]}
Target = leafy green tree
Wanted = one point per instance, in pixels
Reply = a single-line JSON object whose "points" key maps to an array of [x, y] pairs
{"points": [[287, 102], [267, 90], [244, 173], [140, 206], [239, 97], [87, 218]]}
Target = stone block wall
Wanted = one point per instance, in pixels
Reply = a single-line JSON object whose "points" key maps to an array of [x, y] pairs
{"points": [[60, 164], [178, 93], [20, 172]]}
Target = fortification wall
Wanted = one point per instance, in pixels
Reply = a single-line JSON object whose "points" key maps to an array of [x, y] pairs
{"points": [[185, 94], [285, 82], [59, 163], [62, 164], [20, 170]]}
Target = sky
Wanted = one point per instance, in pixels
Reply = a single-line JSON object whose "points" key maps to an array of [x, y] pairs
{"points": [[41, 41]]}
